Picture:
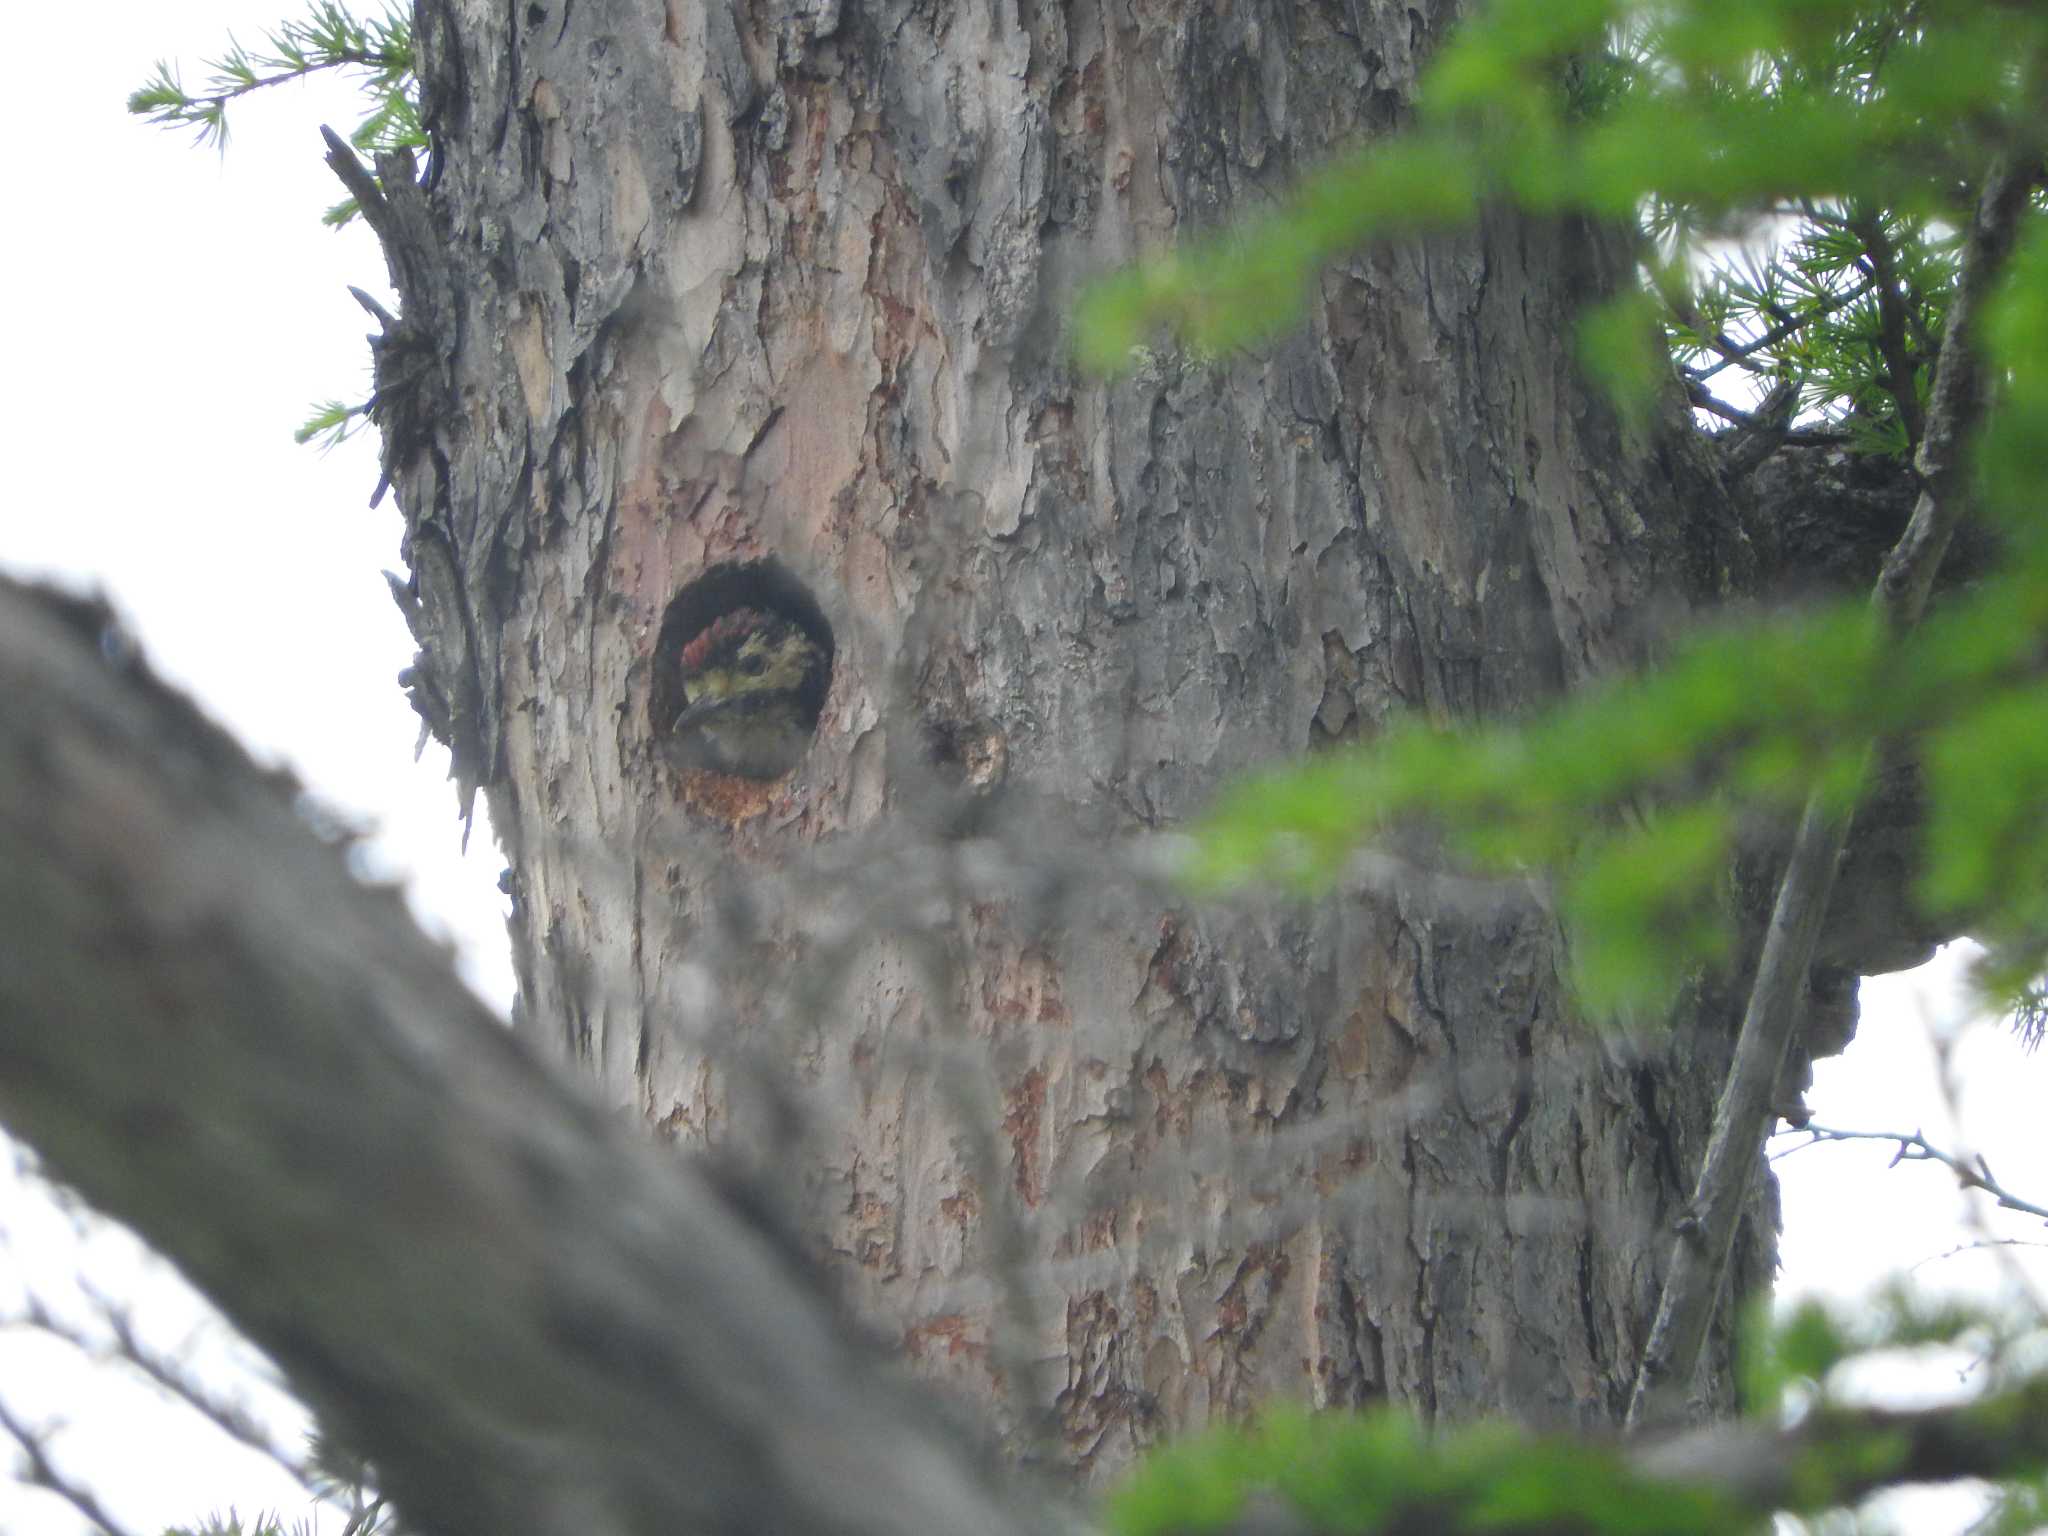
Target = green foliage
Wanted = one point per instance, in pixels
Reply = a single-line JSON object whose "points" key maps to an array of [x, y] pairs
{"points": [[1633, 795], [1801, 172], [378, 50], [2022, 1509], [1351, 1475], [1800, 1352], [1804, 1361], [1758, 714], [1381, 1472], [333, 422], [1234, 290], [1621, 350], [1716, 117], [1850, 309]]}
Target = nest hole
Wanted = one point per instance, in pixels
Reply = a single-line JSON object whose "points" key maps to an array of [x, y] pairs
{"points": [[731, 592]]}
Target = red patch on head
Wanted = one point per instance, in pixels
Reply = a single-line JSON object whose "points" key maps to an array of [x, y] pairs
{"points": [[729, 628]]}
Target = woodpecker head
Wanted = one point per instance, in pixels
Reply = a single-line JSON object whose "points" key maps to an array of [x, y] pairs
{"points": [[753, 681]]}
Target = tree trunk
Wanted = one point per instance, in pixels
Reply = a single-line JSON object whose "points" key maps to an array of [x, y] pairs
{"points": [[692, 290]]}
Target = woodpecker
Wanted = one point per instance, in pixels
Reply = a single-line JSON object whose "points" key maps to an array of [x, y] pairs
{"points": [[752, 685]]}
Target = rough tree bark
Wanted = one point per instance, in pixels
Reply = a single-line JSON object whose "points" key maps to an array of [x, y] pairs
{"points": [[718, 284]]}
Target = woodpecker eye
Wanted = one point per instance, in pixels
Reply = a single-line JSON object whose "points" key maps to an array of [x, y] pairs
{"points": [[753, 666]]}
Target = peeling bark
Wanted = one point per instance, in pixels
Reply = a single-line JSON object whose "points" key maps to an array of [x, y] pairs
{"points": [[770, 281]]}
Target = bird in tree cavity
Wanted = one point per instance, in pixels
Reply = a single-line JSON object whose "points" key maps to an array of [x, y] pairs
{"points": [[753, 682]]}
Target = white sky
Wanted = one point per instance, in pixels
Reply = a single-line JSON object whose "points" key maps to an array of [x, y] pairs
{"points": [[183, 317]]}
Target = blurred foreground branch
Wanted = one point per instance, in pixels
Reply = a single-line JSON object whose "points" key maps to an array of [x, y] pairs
{"points": [[523, 1314]]}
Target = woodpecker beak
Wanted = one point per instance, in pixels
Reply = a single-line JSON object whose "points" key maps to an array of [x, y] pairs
{"points": [[694, 715]]}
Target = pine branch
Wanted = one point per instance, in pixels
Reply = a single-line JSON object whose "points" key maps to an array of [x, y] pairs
{"points": [[1706, 1234], [332, 423], [330, 38], [1881, 270], [1733, 353]]}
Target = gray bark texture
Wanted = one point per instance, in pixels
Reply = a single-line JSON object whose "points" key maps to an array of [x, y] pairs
{"points": [[719, 284]]}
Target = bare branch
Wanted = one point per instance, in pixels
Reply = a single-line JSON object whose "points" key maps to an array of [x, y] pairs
{"points": [[532, 1319], [1892, 345], [1975, 1245], [41, 1472], [1913, 1147], [125, 1346]]}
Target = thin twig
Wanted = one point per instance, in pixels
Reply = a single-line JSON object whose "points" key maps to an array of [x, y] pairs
{"points": [[1913, 1147], [226, 1415], [1975, 1245], [1944, 1043], [1704, 399], [43, 1473], [381, 60]]}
